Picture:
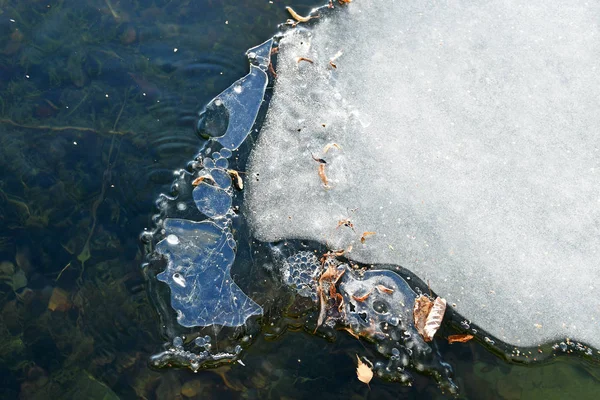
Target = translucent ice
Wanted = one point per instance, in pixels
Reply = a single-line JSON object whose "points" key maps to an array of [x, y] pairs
{"points": [[198, 272], [200, 254], [467, 137]]}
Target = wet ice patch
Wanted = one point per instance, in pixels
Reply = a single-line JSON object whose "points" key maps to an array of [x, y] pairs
{"points": [[468, 136], [199, 275]]}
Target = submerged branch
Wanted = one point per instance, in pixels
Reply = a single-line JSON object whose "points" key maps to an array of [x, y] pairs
{"points": [[61, 128]]}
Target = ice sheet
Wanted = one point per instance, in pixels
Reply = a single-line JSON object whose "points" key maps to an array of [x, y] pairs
{"points": [[468, 135]]}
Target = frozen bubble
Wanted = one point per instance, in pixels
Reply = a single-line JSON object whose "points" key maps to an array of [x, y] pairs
{"points": [[181, 206], [226, 153], [208, 163], [221, 163], [172, 239], [178, 279], [177, 341]]}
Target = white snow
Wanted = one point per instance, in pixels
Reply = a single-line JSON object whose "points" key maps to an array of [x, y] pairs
{"points": [[469, 135]]}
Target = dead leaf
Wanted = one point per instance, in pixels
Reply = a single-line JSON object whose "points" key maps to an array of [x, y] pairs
{"points": [[421, 310], [363, 372], [298, 59], [434, 319], [345, 222], [59, 300], [237, 180], [322, 307], [334, 65], [319, 160], [365, 235], [272, 70], [463, 338], [298, 17], [361, 298], [329, 277], [384, 289], [339, 300], [323, 176], [201, 179], [330, 146]]}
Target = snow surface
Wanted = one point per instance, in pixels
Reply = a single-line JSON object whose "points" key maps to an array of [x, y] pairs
{"points": [[469, 144]]}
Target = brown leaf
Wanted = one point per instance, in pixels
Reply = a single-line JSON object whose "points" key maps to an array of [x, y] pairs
{"points": [[237, 180], [434, 319], [272, 70], [363, 372], [421, 310], [362, 298], [298, 59], [339, 300], [201, 179], [384, 289], [323, 176], [330, 276], [365, 235], [345, 222], [198, 181], [459, 338]]}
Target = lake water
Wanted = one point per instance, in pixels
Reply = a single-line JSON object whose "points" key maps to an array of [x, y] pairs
{"points": [[98, 103]]}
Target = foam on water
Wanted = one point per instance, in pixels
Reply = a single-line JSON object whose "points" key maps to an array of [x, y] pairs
{"points": [[468, 143]]}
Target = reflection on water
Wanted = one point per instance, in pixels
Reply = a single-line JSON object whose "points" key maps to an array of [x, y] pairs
{"points": [[98, 105]]}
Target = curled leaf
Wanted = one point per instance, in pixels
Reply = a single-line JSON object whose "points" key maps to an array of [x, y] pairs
{"points": [[237, 180], [332, 62], [363, 372], [362, 298], [345, 222], [328, 278], [459, 338], [298, 59], [384, 289], [201, 179], [330, 146], [434, 319], [421, 310], [272, 70], [297, 16], [365, 235], [323, 176]]}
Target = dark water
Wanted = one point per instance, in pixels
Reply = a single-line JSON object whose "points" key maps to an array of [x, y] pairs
{"points": [[98, 101]]}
